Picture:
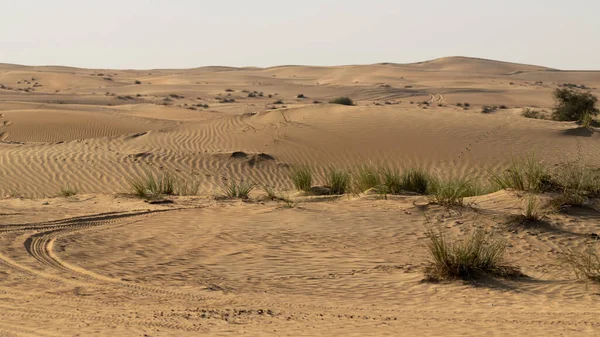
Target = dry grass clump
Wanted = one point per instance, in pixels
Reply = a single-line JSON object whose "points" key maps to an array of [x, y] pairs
{"points": [[479, 253], [237, 189], [151, 186], [67, 191], [302, 177], [585, 264], [338, 180], [532, 113]]}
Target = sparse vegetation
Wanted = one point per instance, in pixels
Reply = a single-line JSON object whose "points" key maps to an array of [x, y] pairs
{"points": [[151, 186], [416, 180], [337, 180], [342, 101], [279, 101], [452, 191], [300, 96], [238, 189], [364, 177], [573, 105], [525, 174], [302, 177], [479, 253], [585, 264], [532, 113], [489, 109], [67, 191]]}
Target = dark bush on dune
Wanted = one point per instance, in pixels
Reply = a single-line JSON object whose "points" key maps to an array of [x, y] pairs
{"points": [[342, 101], [573, 105]]}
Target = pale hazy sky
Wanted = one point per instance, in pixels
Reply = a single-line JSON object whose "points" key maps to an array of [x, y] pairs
{"points": [[191, 33]]}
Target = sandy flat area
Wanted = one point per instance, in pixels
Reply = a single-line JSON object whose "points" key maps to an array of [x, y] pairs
{"points": [[104, 263]]}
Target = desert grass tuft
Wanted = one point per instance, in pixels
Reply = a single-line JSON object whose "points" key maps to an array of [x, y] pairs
{"points": [[452, 191], [238, 189], [302, 177], [525, 174], [585, 264], [364, 177], [479, 253], [416, 180], [391, 180], [338, 180], [151, 186], [67, 191]]}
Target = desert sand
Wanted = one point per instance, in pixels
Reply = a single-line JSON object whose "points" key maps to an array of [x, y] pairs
{"points": [[104, 263]]}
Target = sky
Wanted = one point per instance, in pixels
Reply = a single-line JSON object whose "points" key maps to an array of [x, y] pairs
{"points": [[146, 34]]}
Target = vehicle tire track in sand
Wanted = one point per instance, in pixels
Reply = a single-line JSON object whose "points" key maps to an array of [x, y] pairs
{"points": [[41, 247]]}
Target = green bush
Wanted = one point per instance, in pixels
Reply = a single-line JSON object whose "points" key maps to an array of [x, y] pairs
{"points": [[525, 174], [452, 191], [342, 101], [67, 191], [573, 105], [416, 180]]}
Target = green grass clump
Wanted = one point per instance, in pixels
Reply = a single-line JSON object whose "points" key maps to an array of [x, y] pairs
{"points": [[337, 180], [302, 177], [525, 174], [364, 177], [416, 180], [237, 189], [67, 191], [585, 264], [452, 191], [342, 101], [478, 253], [391, 180], [151, 186]]}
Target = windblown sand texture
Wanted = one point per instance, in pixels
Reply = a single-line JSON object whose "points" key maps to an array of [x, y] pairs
{"points": [[103, 263]]}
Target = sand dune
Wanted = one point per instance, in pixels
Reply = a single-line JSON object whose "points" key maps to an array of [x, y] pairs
{"points": [[105, 263]]}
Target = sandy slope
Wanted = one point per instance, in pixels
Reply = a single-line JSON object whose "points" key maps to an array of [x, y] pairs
{"points": [[104, 264]]}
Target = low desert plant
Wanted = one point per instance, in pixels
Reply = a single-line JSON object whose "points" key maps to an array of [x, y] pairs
{"points": [[416, 180], [67, 191], [572, 105], [391, 180], [342, 101], [302, 177], [525, 174], [585, 264], [151, 186], [337, 180], [479, 253], [532, 113], [279, 101], [238, 189], [452, 191], [364, 177], [300, 96]]}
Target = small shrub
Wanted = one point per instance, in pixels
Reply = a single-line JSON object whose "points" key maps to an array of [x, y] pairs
{"points": [[237, 189], [302, 177], [337, 180], [488, 109], [251, 94], [67, 191], [467, 104], [279, 101], [364, 177], [229, 90], [572, 105], [479, 253], [502, 106], [300, 96], [459, 104], [532, 113], [138, 82], [342, 101], [585, 264]]}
